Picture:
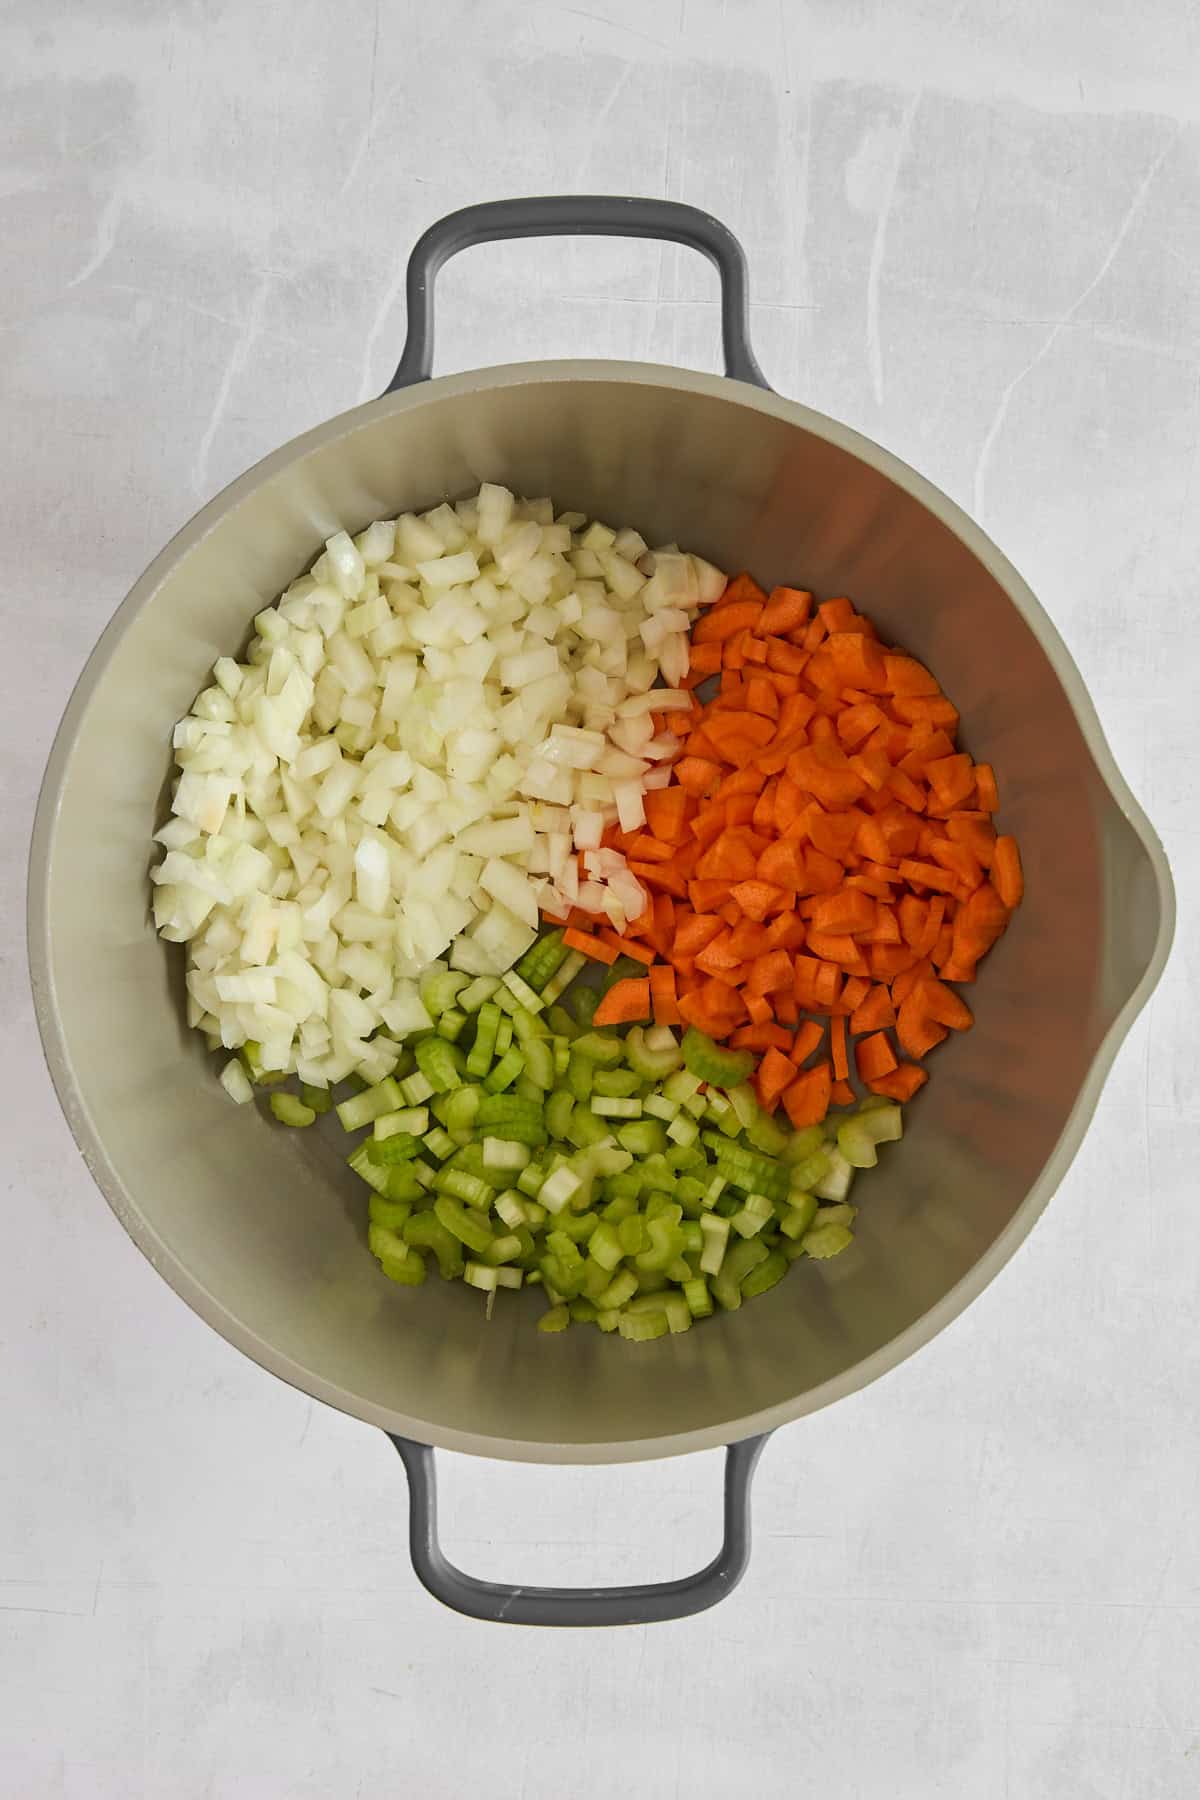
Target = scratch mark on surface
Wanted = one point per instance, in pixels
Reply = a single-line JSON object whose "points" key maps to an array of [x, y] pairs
{"points": [[107, 221], [367, 381], [1001, 413], [576, 12], [879, 247], [364, 142], [251, 327]]}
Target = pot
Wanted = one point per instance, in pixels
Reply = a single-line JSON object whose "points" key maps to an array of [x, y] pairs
{"points": [[262, 1231]]}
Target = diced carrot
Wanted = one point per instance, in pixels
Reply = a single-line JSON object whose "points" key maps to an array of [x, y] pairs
{"points": [[986, 791], [786, 610], [837, 1040], [806, 1100], [761, 697], [1007, 876], [626, 946], [836, 615], [842, 1094], [758, 899], [902, 1083], [725, 620], [874, 1012], [848, 911], [667, 811], [624, 1002], [760, 1037], [944, 1006], [775, 1073], [874, 1056], [663, 998], [770, 972], [838, 948], [591, 946], [696, 774], [917, 1032], [759, 1008], [905, 675], [806, 1040]]}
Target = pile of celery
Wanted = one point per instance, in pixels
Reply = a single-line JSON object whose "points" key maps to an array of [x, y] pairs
{"points": [[633, 1176]]}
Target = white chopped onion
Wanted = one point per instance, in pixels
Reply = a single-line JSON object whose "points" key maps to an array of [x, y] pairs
{"points": [[428, 729]]}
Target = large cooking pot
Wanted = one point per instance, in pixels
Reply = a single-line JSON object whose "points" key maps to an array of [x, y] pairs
{"points": [[262, 1231]]}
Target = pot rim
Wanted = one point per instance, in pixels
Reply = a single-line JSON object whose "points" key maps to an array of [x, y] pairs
{"points": [[90, 1139]]}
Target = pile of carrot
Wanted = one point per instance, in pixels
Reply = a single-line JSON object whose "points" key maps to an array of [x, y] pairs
{"points": [[824, 853]]}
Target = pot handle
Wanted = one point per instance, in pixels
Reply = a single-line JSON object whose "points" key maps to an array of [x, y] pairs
{"points": [[500, 1604], [576, 215]]}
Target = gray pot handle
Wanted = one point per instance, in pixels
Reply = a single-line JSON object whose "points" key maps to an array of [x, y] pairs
{"points": [[500, 1604], [576, 215]]}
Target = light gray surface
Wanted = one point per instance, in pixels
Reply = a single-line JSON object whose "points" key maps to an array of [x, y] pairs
{"points": [[982, 1576]]}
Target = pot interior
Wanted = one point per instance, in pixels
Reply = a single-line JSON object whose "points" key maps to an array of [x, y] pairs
{"points": [[263, 1230]]}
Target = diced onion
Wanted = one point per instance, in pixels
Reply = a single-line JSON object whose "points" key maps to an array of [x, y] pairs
{"points": [[428, 730]]}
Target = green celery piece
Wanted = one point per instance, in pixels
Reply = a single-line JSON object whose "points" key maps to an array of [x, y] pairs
{"points": [[319, 1099], [621, 1288], [290, 1110], [584, 1002], [582, 1311], [440, 990], [461, 1108], [708, 1061], [479, 1058], [650, 1065], [631, 1234], [840, 1213], [469, 1226], [390, 1213], [561, 1023], [806, 1173], [401, 1182], [506, 1071], [476, 992], [539, 1063], [639, 1328], [585, 1129], [579, 1078], [835, 1183], [560, 982], [555, 1318], [615, 1084], [765, 1275], [605, 1246], [425, 1231], [642, 1137], [526, 997], [543, 959], [401, 1147], [698, 1298], [362, 1109], [361, 1163], [798, 1217], [559, 1107], [450, 1025], [436, 1061], [803, 1144], [501, 1156], [824, 1241], [858, 1136], [598, 1047]]}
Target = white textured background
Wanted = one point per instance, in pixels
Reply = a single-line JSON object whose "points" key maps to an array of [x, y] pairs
{"points": [[974, 233]]}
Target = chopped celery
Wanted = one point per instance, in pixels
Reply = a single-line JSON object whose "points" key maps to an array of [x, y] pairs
{"points": [[650, 1064], [413, 1119], [858, 1135], [521, 991], [479, 1060], [560, 982], [362, 1109], [290, 1110], [501, 1156], [436, 1061], [440, 990], [556, 1318], [708, 1061], [826, 1240], [542, 960], [661, 1189], [506, 1071], [467, 1225], [319, 1099]]}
